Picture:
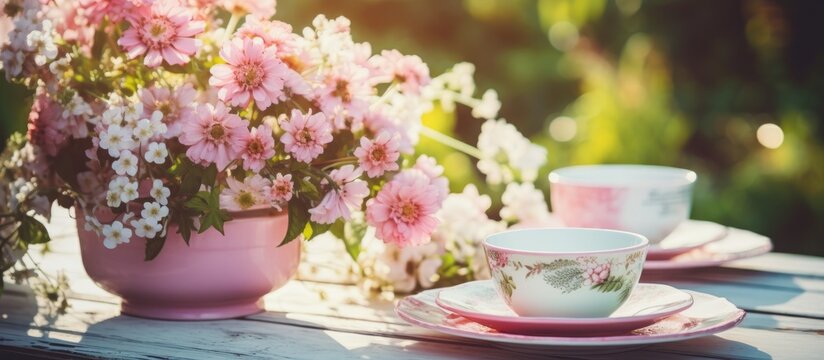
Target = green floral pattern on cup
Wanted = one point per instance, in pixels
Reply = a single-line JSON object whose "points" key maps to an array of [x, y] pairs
{"points": [[569, 275]]}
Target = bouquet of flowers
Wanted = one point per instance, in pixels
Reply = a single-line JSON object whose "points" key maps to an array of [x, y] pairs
{"points": [[152, 113]]}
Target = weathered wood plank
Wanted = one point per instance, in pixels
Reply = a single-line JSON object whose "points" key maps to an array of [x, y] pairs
{"points": [[309, 319], [771, 300], [94, 329], [784, 263], [735, 276]]}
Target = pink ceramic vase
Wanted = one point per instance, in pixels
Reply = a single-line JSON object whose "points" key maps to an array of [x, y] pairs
{"points": [[214, 277]]}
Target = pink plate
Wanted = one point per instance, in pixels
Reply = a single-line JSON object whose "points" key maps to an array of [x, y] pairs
{"points": [[691, 234], [479, 302], [738, 244], [708, 315]]}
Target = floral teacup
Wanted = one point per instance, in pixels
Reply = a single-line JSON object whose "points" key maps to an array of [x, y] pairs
{"points": [[649, 200], [565, 272]]}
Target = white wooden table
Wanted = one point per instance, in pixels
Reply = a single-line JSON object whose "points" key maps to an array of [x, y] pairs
{"points": [[325, 317]]}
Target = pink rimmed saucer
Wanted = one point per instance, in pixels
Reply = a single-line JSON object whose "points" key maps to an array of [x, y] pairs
{"points": [[478, 301], [708, 315], [737, 244], [691, 234]]}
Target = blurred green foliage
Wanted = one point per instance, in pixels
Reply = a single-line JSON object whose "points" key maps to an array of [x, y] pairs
{"points": [[678, 82]]}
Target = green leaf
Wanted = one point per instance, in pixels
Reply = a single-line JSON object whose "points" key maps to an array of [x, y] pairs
{"points": [[625, 292], [192, 176], [566, 278], [184, 228], [309, 189], [199, 202], [611, 284], [99, 43], [207, 204], [214, 216], [313, 229], [153, 247], [354, 231], [337, 229], [298, 217], [32, 231]]}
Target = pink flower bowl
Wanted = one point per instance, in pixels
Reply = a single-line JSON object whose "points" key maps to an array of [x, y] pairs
{"points": [[214, 277]]}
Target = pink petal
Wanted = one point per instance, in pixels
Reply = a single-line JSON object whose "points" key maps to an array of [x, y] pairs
{"points": [[174, 57], [186, 45], [153, 58]]}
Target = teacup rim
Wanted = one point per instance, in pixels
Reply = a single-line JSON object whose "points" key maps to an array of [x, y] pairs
{"points": [[555, 176], [642, 245]]}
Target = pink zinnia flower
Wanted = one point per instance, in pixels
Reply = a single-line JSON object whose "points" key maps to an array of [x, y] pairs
{"points": [[377, 120], [174, 104], [379, 155], [408, 71], [281, 190], [344, 94], [213, 135], [50, 125], [403, 212], [252, 72], [42, 125], [71, 22], [339, 203], [258, 145], [244, 195], [163, 31], [115, 10], [305, 135], [277, 34]]}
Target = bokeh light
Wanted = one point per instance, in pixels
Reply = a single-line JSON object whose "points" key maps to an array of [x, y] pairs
{"points": [[563, 35], [563, 128], [770, 136]]}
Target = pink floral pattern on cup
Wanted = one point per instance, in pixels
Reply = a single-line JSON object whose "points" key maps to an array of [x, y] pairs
{"points": [[596, 274], [587, 206], [569, 275]]}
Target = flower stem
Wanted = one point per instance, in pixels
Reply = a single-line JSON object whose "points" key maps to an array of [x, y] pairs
{"points": [[451, 142], [340, 162], [391, 90], [230, 27]]}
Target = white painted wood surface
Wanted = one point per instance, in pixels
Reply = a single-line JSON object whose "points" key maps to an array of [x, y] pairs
{"points": [[325, 316]]}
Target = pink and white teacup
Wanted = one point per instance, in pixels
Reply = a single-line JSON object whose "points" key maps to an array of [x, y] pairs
{"points": [[648, 200], [565, 272]]}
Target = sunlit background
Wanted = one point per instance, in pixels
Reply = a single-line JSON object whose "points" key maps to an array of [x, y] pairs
{"points": [[730, 89]]}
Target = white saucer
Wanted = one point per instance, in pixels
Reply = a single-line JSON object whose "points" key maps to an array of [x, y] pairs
{"points": [[479, 301], [691, 234], [738, 244], [708, 315]]}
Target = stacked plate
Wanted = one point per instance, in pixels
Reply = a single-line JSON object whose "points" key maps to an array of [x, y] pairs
{"points": [[697, 243], [694, 244], [652, 314]]}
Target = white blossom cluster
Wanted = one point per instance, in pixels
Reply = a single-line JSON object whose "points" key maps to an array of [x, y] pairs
{"points": [[32, 38], [463, 226], [507, 155], [130, 138], [525, 205]]}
